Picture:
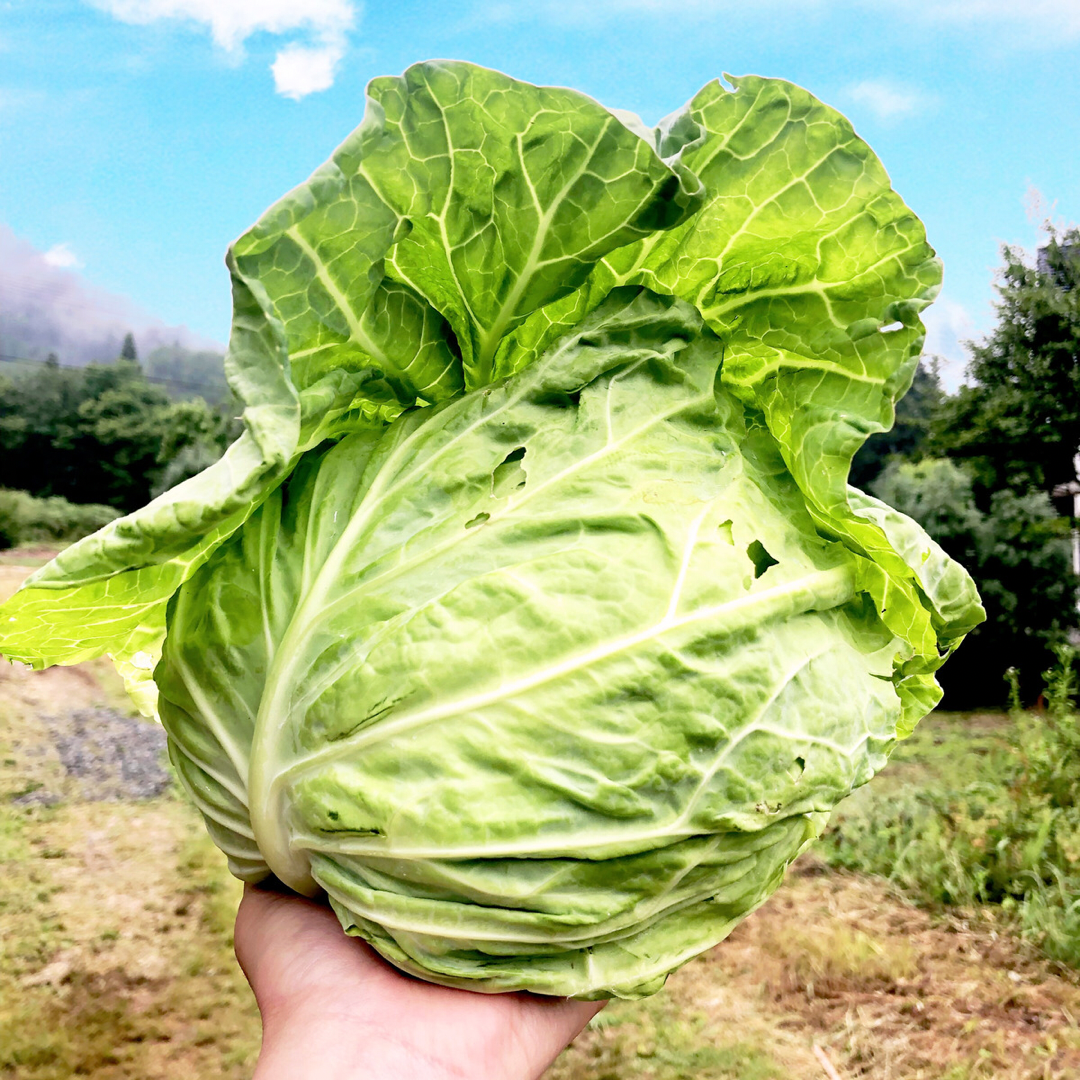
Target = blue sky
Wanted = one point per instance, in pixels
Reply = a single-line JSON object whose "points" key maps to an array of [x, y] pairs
{"points": [[138, 137]]}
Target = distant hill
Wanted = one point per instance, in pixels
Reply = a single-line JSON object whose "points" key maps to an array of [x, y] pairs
{"points": [[46, 308], [183, 372]]}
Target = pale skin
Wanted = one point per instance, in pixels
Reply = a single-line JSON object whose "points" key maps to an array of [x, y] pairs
{"points": [[332, 1009]]}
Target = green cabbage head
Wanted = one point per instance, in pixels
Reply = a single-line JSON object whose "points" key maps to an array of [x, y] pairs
{"points": [[532, 619]]}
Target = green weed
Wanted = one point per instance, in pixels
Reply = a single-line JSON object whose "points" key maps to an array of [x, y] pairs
{"points": [[1010, 837]]}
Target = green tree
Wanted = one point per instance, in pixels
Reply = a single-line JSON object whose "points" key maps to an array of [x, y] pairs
{"points": [[120, 428], [909, 436], [103, 434], [127, 350], [1019, 423], [38, 411], [193, 436], [1018, 552]]}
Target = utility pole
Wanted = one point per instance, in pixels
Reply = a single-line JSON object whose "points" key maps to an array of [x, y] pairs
{"points": [[1063, 491]]}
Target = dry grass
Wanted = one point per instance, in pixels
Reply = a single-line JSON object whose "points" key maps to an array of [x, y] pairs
{"points": [[116, 963]]}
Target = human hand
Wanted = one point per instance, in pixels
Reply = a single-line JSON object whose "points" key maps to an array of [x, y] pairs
{"points": [[333, 1009]]}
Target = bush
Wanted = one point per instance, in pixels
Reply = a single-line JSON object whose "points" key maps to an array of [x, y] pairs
{"points": [[9, 519], [1018, 551], [26, 520]]}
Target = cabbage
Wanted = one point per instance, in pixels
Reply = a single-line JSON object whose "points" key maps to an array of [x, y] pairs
{"points": [[532, 618]]}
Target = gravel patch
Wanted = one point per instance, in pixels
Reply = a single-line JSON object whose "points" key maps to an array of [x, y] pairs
{"points": [[107, 757]]}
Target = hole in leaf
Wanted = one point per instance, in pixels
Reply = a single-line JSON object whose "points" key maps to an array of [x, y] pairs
{"points": [[725, 531], [560, 399], [478, 520], [761, 559], [892, 327], [510, 475], [451, 340]]}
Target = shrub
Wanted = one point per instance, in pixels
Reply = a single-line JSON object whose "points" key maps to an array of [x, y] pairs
{"points": [[1017, 550], [27, 520]]}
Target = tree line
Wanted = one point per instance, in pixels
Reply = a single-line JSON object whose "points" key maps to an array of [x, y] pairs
{"points": [[976, 468], [105, 433]]}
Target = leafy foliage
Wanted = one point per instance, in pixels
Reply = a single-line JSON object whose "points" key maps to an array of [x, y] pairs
{"points": [[1018, 552], [100, 434], [531, 616], [1019, 422], [189, 373], [24, 519]]}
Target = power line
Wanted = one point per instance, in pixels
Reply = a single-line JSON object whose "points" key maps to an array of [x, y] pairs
{"points": [[7, 358]]}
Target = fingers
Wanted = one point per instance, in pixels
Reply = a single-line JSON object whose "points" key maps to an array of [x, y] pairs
{"points": [[313, 982], [542, 1029], [289, 947]]}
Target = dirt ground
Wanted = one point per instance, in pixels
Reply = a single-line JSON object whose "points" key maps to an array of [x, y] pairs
{"points": [[115, 909], [836, 972], [115, 945]]}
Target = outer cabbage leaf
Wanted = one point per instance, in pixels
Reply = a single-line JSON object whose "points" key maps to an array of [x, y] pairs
{"points": [[800, 256], [946, 591], [485, 197], [812, 271], [316, 260], [513, 193], [585, 620]]}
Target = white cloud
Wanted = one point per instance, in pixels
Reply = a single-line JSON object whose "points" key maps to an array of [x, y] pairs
{"points": [[231, 22], [302, 67], [61, 256], [948, 325], [300, 70], [887, 100]]}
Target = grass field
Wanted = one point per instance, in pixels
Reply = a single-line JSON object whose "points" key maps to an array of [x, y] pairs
{"points": [[116, 962]]}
